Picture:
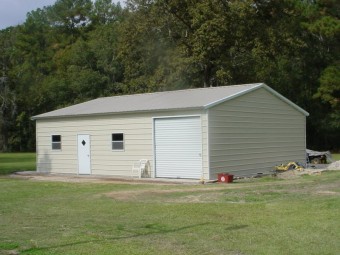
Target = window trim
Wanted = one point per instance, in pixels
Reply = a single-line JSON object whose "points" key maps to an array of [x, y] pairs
{"points": [[122, 141], [52, 143]]}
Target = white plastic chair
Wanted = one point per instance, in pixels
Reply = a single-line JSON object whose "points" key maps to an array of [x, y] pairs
{"points": [[140, 168]]}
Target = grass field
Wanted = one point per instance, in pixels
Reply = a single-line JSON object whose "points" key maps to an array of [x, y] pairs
{"points": [[258, 216], [12, 162], [336, 157]]}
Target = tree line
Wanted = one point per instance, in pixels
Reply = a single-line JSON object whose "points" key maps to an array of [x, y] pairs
{"points": [[77, 50]]}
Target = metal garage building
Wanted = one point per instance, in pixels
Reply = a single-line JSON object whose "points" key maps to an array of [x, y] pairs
{"points": [[194, 133]]}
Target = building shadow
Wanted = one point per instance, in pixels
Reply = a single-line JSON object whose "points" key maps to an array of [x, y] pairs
{"points": [[146, 230], [44, 164]]}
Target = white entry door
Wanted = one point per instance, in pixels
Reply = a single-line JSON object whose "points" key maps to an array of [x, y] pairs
{"points": [[84, 154], [178, 147]]}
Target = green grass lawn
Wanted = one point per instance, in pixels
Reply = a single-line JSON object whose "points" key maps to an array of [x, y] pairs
{"points": [[336, 157], [12, 162], [257, 216]]}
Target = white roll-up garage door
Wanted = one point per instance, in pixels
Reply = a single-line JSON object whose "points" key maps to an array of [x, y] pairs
{"points": [[178, 147]]}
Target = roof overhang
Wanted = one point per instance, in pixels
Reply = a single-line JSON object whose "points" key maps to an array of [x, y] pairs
{"points": [[113, 113]]}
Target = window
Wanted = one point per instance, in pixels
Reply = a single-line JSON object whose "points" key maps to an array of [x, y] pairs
{"points": [[56, 142], [118, 141]]}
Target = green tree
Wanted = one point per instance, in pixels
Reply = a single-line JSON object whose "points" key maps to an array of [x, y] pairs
{"points": [[78, 50], [8, 104], [323, 26], [105, 12], [70, 15]]}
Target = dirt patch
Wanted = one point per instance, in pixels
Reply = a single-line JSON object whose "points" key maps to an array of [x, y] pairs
{"points": [[135, 194], [293, 174], [334, 166], [193, 192], [95, 179], [327, 192], [10, 252]]}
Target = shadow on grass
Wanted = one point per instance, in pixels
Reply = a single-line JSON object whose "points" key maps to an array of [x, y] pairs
{"points": [[235, 227], [151, 229]]}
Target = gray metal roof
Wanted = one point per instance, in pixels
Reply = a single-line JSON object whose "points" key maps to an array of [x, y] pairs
{"points": [[169, 100]]}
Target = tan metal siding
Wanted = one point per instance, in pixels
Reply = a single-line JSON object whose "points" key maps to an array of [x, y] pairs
{"points": [[205, 153], [138, 142], [254, 132]]}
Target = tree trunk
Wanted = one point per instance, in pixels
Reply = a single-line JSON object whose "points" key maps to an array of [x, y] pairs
{"points": [[207, 76]]}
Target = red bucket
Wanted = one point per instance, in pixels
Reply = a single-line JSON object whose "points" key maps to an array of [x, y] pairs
{"points": [[225, 177]]}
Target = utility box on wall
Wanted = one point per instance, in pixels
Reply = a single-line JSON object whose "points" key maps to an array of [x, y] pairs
{"points": [[225, 177]]}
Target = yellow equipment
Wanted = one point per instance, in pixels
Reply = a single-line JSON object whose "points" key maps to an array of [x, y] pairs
{"points": [[289, 166]]}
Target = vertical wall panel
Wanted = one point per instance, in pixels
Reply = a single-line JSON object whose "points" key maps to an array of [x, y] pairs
{"points": [[254, 132], [138, 142]]}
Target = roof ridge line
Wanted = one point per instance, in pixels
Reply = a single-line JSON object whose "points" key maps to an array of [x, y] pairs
{"points": [[180, 90]]}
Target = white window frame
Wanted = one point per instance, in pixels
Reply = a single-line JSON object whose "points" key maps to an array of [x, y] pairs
{"points": [[52, 143], [118, 142]]}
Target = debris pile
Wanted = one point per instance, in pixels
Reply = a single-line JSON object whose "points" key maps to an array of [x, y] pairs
{"points": [[289, 166], [334, 166]]}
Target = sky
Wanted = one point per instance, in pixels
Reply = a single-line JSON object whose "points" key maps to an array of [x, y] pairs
{"points": [[13, 12]]}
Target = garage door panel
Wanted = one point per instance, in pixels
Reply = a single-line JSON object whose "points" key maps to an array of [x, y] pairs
{"points": [[178, 147]]}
